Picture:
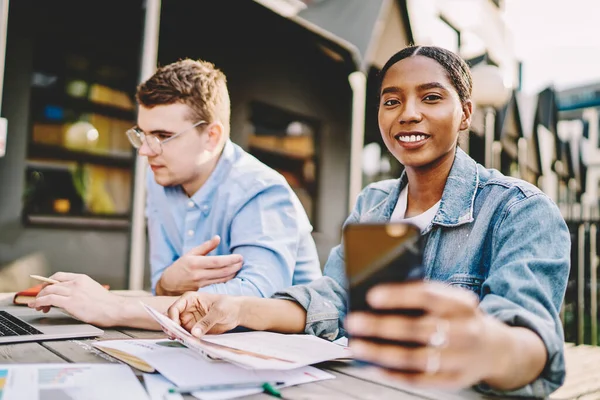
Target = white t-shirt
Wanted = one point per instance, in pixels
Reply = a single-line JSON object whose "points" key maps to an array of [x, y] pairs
{"points": [[421, 220]]}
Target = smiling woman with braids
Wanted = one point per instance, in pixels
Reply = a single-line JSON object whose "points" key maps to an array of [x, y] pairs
{"points": [[496, 255]]}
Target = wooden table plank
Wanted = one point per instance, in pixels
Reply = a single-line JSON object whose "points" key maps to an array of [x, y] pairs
{"points": [[347, 386], [30, 352], [372, 375], [583, 374], [142, 334], [82, 351], [342, 387]]}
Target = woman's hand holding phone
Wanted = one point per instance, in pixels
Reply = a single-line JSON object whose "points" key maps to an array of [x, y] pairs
{"points": [[458, 345], [419, 331]]}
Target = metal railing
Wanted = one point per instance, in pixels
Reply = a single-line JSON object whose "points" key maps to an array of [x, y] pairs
{"points": [[580, 308]]}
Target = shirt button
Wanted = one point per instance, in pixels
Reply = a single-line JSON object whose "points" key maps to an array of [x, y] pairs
{"points": [[190, 233], [205, 208], [191, 204]]}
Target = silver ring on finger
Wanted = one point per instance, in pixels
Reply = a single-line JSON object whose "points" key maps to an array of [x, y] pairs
{"points": [[439, 338], [434, 361]]}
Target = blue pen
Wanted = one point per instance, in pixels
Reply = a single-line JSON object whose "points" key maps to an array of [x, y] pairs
{"points": [[225, 386]]}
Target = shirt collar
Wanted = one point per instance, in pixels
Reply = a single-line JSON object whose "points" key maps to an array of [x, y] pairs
{"points": [[221, 170]]}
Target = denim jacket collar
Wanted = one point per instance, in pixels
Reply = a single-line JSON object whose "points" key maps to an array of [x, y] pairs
{"points": [[456, 206]]}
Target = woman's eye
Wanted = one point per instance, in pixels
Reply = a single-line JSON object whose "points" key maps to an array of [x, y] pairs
{"points": [[391, 102], [162, 137], [432, 97]]}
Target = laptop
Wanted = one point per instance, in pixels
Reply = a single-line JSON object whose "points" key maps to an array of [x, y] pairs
{"points": [[24, 324]]}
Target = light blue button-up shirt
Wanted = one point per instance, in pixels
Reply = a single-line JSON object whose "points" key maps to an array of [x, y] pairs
{"points": [[254, 211]]}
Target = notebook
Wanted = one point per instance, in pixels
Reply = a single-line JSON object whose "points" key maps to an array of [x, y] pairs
{"points": [[25, 296], [125, 357]]}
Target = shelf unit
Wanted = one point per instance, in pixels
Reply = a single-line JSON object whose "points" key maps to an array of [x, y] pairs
{"points": [[288, 142], [79, 167], [109, 159]]}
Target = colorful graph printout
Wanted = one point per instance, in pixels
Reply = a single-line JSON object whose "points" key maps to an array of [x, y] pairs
{"points": [[3, 378]]}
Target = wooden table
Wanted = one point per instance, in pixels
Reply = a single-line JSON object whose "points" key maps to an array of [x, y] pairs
{"points": [[350, 382]]}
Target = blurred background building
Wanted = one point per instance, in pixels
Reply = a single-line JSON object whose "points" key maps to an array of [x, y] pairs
{"points": [[303, 82]]}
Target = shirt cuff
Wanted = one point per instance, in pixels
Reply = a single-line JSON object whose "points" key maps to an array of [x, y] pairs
{"points": [[553, 374], [323, 316]]}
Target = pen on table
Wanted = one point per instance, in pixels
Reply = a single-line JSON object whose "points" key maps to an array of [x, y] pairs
{"points": [[270, 389], [44, 279], [267, 387]]}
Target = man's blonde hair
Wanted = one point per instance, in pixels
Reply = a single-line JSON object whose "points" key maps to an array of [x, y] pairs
{"points": [[196, 83]]}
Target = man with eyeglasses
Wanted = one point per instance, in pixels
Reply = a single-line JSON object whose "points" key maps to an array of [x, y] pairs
{"points": [[219, 220]]}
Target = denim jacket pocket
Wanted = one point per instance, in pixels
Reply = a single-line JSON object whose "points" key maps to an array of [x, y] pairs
{"points": [[467, 281]]}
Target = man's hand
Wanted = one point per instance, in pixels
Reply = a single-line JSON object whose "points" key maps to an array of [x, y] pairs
{"points": [[80, 296], [195, 270], [202, 313]]}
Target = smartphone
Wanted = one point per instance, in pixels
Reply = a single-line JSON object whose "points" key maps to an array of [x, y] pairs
{"points": [[380, 253]]}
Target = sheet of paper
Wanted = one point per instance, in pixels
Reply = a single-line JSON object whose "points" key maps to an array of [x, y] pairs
{"points": [[343, 341], [179, 364], [69, 381], [292, 378], [277, 348], [18, 383], [180, 334], [257, 350], [185, 367], [168, 326], [158, 387]]}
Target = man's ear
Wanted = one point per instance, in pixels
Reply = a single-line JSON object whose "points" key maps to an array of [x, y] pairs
{"points": [[215, 133], [467, 109]]}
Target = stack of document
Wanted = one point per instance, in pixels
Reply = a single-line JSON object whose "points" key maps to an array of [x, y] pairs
{"points": [[257, 350], [186, 368], [227, 360], [160, 388], [69, 381]]}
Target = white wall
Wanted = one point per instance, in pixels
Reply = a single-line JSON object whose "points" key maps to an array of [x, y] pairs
{"points": [[480, 22]]}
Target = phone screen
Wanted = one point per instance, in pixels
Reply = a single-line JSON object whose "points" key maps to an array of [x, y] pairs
{"points": [[377, 253], [380, 253]]}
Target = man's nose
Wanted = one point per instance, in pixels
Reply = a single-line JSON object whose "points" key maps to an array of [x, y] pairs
{"points": [[145, 150]]}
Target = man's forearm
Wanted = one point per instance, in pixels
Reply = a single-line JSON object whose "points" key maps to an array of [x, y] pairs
{"points": [[161, 291], [521, 354], [132, 314], [275, 315]]}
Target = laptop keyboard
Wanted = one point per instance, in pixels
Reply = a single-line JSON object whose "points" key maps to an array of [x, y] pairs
{"points": [[13, 326]]}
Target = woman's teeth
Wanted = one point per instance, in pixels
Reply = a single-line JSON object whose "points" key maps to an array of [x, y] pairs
{"points": [[411, 138]]}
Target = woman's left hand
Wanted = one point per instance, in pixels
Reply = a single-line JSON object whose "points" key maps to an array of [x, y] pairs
{"points": [[460, 343]]}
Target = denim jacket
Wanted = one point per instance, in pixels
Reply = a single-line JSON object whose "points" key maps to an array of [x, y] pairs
{"points": [[500, 237]]}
